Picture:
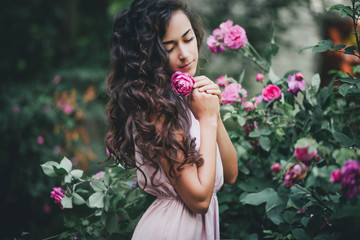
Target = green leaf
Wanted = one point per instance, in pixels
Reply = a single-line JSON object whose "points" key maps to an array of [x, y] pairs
{"points": [[274, 207], [343, 139], [335, 7], [77, 199], [259, 197], [107, 179], [77, 173], [66, 202], [273, 77], [254, 134], [66, 164], [300, 234], [241, 120], [350, 50], [98, 185], [60, 171], [68, 178], [265, 132], [343, 89], [343, 154], [96, 200], [112, 224], [48, 168], [337, 47], [265, 143], [313, 89], [227, 116], [305, 48], [323, 46]]}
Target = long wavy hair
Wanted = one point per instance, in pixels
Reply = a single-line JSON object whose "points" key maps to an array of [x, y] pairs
{"points": [[143, 109]]}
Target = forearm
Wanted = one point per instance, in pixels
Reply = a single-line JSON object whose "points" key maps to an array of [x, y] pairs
{"points": [[207, 172], [228, 153]]}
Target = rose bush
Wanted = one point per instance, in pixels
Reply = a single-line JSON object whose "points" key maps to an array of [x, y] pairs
{"points": [[291, 145]]}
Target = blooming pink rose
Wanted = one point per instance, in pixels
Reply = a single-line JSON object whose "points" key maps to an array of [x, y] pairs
{"points": [[67, 108], [233, 92], [249, 106], [214, 45], [40, 140], [222, 81], [302, 154], [276, 168], [298, 76], [295, 84], [259, 77], [57, 194], [271, 92], [226, 26], [350, 178], [57, 79], [182, 83], [335, 176], [236, 37], [295, 173]]}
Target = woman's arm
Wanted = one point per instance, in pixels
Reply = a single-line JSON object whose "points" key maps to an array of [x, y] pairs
{"points": [[195, 184], [227, 150]]}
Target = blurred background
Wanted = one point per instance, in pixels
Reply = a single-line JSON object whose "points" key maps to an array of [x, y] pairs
{"points": [[54, 61]]}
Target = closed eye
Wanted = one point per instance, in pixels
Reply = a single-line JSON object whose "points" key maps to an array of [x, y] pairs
{"points": [[189, 40]]}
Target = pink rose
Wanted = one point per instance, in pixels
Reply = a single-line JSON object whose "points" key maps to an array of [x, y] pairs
{"points": [[295, 84], [222, 81], [57, 194], [40, 140], [276, 168], [271, 92], [249, 106], [226, 26], [182, 83], [214, 45], [295, 173], [233, 92], [236, 37], [259, 77], [57, 79], [67, 108], [298, 76], [335, 176], [303, 154]]}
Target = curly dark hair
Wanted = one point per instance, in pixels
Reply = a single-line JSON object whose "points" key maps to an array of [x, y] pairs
{"points": [[143, 109]]}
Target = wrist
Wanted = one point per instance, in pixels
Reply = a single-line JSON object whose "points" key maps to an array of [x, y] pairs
{"points": [[209, 122]]}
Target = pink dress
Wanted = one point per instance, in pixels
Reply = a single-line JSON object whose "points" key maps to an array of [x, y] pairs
{"points": [[168, 217]]}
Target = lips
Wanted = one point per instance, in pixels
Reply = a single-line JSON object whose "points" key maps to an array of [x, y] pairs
{"points": [[186, 66]]}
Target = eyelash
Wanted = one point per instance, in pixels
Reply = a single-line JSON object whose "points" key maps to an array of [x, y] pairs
{"points": [[186, 41]]}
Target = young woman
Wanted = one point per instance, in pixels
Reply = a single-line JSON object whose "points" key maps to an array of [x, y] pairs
{"points": [[179, 146]]}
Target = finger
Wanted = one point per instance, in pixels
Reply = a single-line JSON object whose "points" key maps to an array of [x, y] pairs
{"points": [[208, 87]]}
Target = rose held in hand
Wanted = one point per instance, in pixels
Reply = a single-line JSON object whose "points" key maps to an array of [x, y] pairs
{"points": [[182, 83]]}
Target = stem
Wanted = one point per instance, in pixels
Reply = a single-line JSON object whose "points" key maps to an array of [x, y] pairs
{"points": [[51, 237], [355, 27]]}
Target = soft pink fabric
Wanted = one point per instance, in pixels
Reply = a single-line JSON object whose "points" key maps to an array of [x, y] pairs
{"points": [[168, 217]]}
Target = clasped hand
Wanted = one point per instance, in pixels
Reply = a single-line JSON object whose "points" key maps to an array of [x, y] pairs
{"points": [[205, 98]]}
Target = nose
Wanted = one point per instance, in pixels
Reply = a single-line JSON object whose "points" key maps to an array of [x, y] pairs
{"points": [[183, 52]]}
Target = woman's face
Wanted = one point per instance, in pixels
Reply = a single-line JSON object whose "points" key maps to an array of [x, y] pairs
{"points": [[180, 42]]}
